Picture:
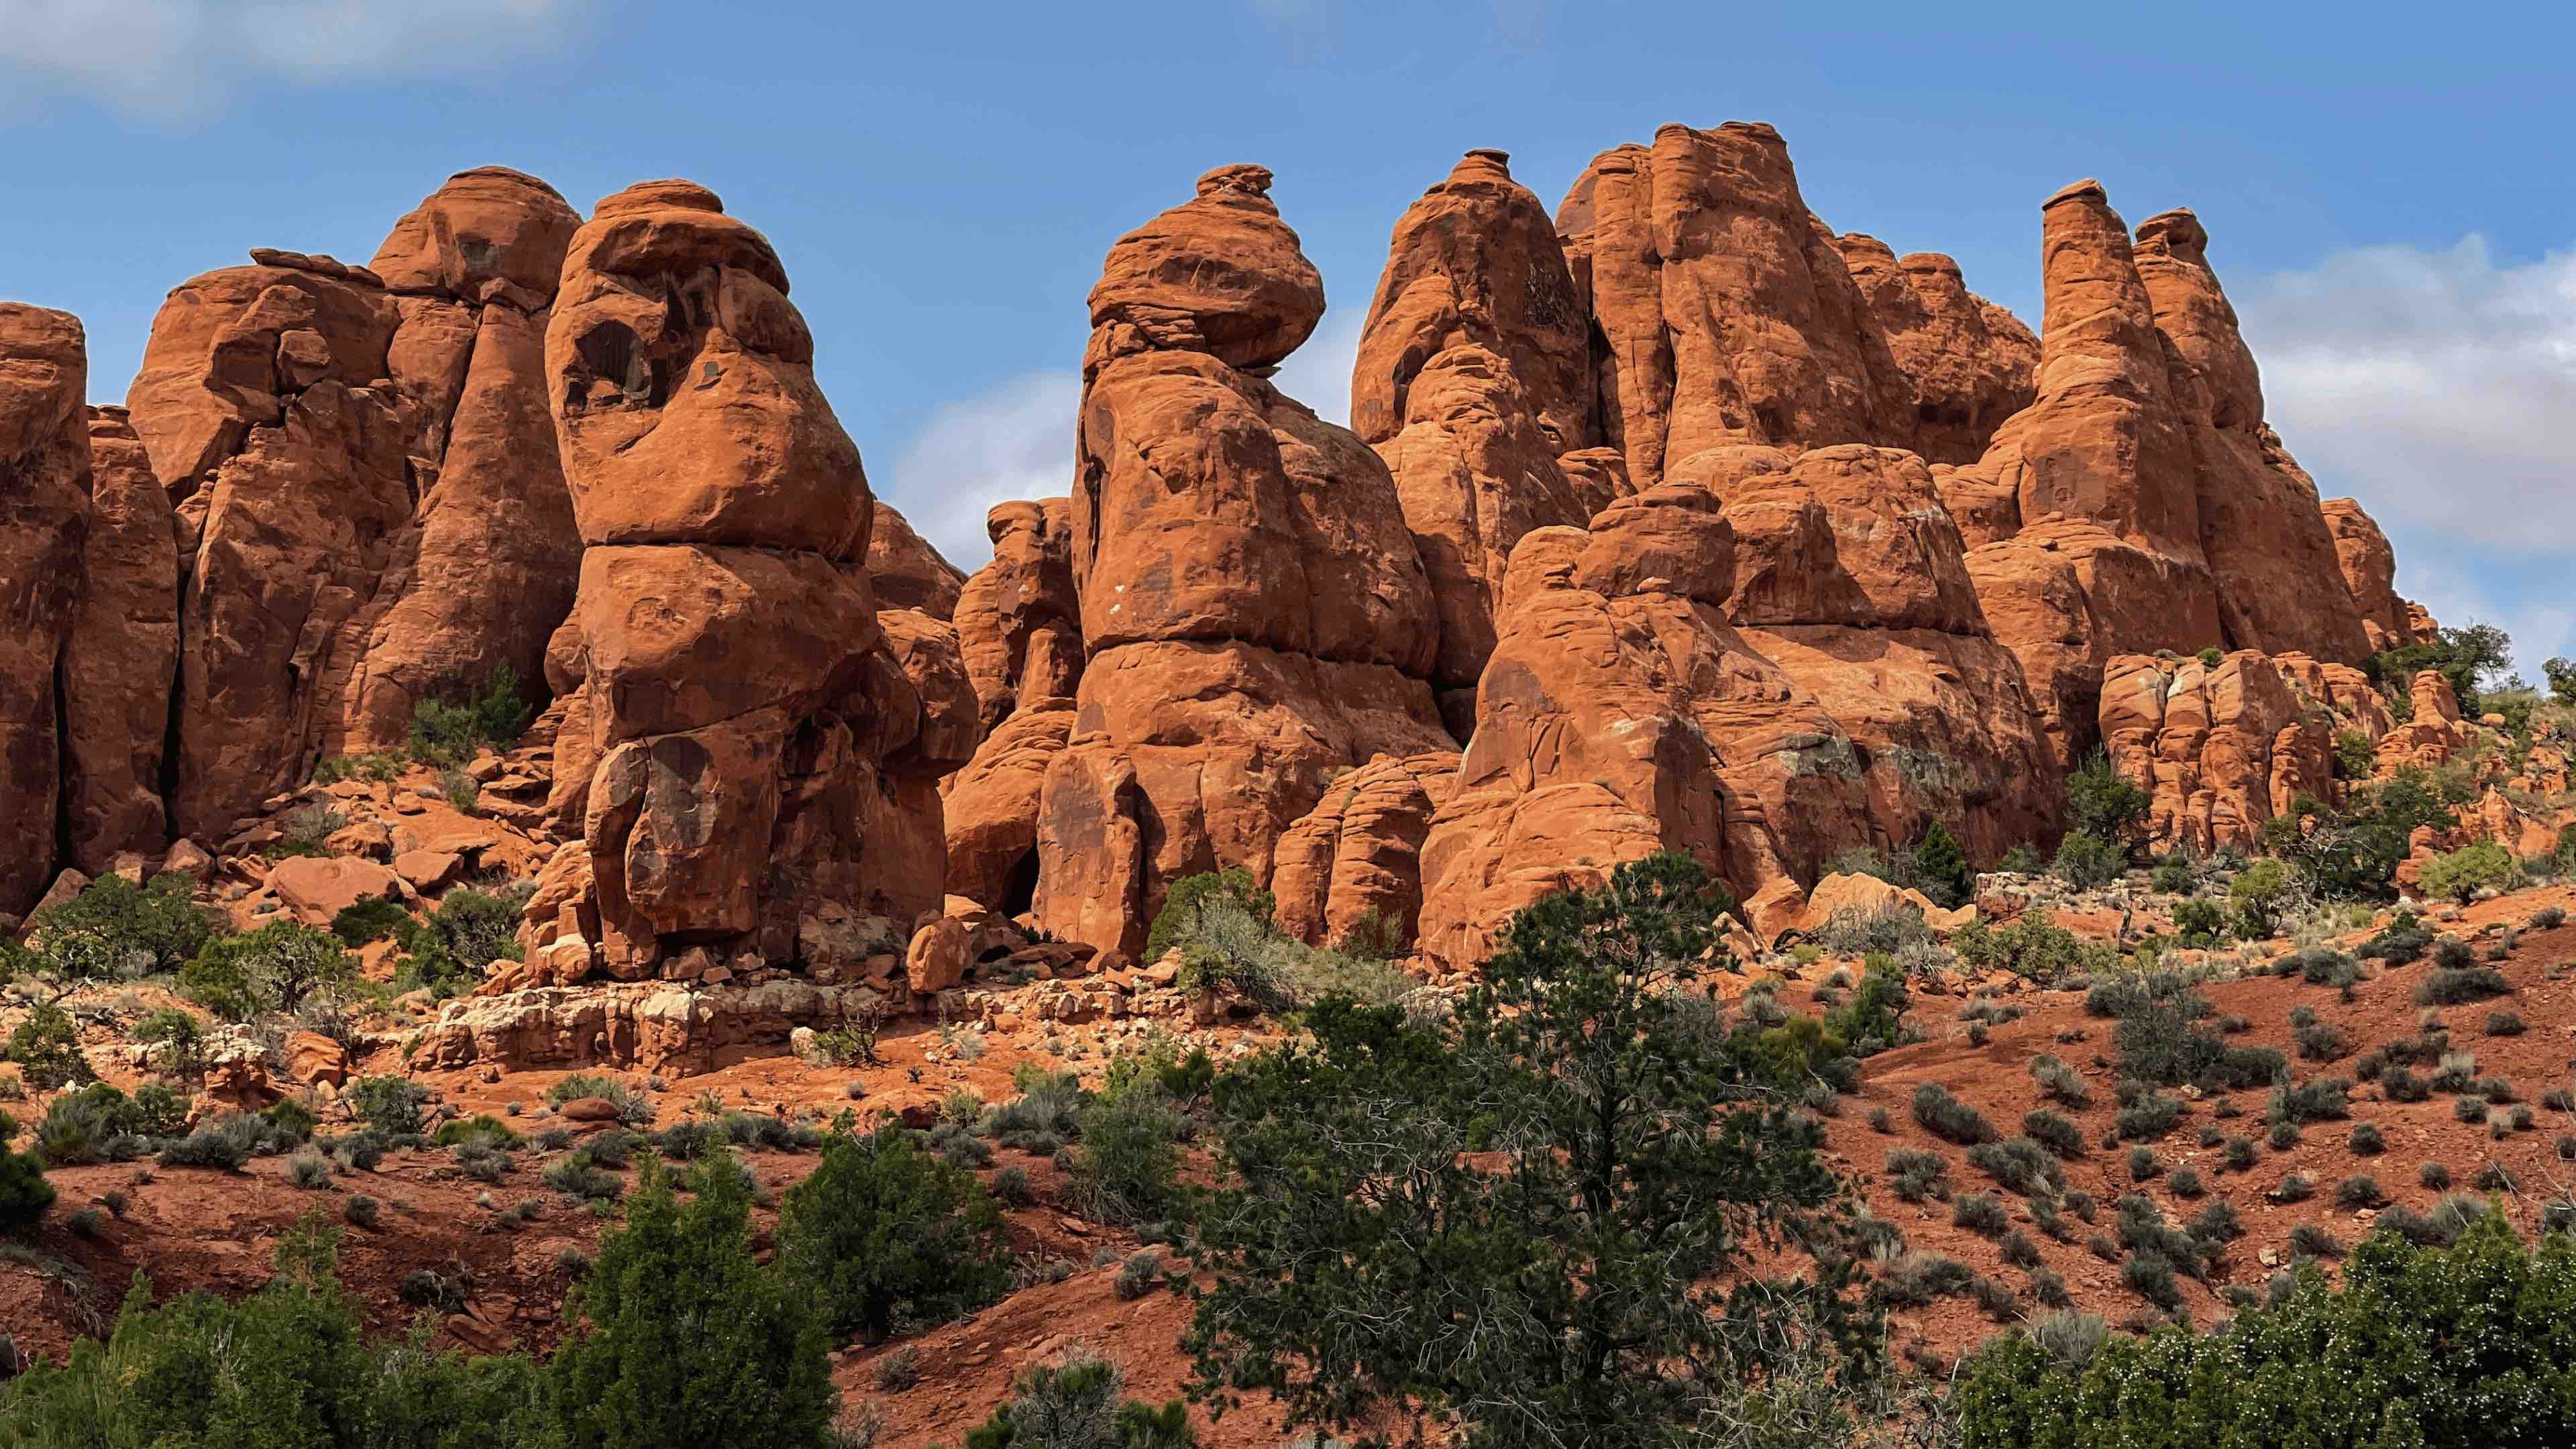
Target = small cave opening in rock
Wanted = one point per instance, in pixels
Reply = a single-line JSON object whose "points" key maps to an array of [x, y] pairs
{"points": [[1020, 893]]}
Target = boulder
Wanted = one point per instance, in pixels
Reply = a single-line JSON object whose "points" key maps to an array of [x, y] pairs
{"points": [[319, 887], [429, 871], [938, 958], [316, 1060]]}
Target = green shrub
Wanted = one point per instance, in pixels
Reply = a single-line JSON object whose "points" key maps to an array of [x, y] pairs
{"points": [[2033, 945], [46, 1047], [881, 1227], [1077, 1401], [2321, 1365], [2452, 985], [1941, 867], [2258, 895], [115, 928], [448, 950], [179, 1040], [685, 1338], [369, 920], [1190, 896], [1383, 1160], [390, 1105], [446, 732], [288, 1365], [1948, 1118], [272, 969], [226, 1142], [2085, 860], [1128, 1162], [2103, 803], [2462, 873], [1915, 1175], [24, 1194]]}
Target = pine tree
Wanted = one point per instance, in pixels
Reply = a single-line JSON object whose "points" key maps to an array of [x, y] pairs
{"points": [[1943, 867], [1517, 1217], [689, 1341]]}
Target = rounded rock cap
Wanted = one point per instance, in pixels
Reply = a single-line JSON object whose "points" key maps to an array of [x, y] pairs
{"points": [[674, 192]]}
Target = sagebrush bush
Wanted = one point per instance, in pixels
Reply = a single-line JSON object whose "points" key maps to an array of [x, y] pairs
{"points": [[1948, 1118]]}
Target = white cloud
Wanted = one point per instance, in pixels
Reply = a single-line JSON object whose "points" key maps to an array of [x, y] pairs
{"points": [[2439, 388], [169, 56], [1015, 441]]}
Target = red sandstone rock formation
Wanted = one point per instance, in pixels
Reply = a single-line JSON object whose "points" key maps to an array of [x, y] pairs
{"points": [[750, 745], [1252, 605], [909, 573], [123, 657], [1019, 618], [1019, 625], [1852, 579], [1475, 470], [2271, 556], [370, 509], [2086, 498], [2223, 748], [1476, 263], [1726, 312], [44, 520], [1351, 870], [1622, 714], [2369, 574], [1971, 362]]}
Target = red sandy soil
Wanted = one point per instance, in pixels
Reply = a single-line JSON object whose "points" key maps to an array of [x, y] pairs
{"points": [[196, 1228]]}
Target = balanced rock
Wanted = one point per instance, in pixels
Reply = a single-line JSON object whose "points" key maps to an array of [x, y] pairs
{"points": [[741, 703], [1253, 609]]}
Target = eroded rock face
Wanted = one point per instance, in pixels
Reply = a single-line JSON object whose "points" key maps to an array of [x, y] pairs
{"points": [[1019, 618], [751, 744], [1252, 604], [2369, 574], [44, 523], [2085, 503], [1727, 313], [1351, 869], [2223, 748], [1622, 714], [1475, 470], [909, 573], [1851, 578], [2272, 556], [370, 513], [1971, 362], [123, 657], [1476, 263]]}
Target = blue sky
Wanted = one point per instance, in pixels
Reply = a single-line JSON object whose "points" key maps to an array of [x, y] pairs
{"points": [[2387, 191]]}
